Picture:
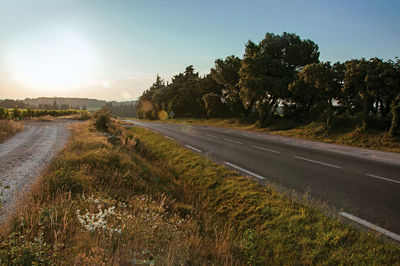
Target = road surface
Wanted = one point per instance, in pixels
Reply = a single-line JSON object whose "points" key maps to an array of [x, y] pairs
{"points": [[359, 183], [25, 155]]}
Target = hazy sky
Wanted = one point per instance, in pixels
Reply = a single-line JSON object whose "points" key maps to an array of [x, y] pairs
{"points": [[113, 49]]}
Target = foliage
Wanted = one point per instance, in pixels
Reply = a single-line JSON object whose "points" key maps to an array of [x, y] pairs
{"points": [[102, 119], [317, 84], [269, 67], [226, 74], [281, 72], [22, 114]]}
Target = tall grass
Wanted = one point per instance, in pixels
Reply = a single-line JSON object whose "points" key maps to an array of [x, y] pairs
{"points": [[9, 128], [99, 203]]}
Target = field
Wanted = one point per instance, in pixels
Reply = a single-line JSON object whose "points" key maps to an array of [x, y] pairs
{"points": [[344, 132], [133, 197]]}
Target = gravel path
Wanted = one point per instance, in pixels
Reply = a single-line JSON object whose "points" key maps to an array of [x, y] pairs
{"points": [[25, 155]]}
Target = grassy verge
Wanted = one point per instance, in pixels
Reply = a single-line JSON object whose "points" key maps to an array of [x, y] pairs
{"points": [[269, 227], [9, 128], [100, 203], [344, 132]]}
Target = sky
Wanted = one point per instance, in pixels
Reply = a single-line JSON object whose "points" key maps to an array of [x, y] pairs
{"points": [[113, 49]]}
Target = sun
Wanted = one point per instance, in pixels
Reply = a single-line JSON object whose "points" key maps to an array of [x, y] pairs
{"points": [[52, 62]]}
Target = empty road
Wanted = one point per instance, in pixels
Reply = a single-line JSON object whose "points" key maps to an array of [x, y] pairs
{"points": [[362, 185]]}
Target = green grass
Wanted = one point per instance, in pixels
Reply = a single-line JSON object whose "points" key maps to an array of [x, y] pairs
{"points": [[272, 228]]}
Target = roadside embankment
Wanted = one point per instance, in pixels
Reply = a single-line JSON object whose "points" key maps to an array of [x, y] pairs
{"points": [[274, 228]]}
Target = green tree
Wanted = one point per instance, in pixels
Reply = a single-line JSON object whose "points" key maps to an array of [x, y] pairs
{"points": [[376, 82], [226, 74], [15, 113], [354, 83], [146, 106], [213, 105], [318, 83], [269, 67], [3, 113]]}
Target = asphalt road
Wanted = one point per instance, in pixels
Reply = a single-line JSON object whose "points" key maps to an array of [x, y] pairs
{"points": [[358, 183]]}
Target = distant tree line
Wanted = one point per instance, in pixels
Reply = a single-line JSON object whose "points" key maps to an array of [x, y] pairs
{"points": [[21, 114], [124, 109], [19, 104], [283, 72]]}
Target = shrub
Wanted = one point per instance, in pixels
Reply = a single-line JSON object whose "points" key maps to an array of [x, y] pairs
{"points": [[3, 113], [102, 119]]}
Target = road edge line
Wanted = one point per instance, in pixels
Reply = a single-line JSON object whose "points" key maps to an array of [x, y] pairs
{"points": [[244, 170], [372, 226], [193, 148]]}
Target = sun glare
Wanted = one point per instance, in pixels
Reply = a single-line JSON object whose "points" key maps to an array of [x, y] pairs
{"points": [[61, 61]]}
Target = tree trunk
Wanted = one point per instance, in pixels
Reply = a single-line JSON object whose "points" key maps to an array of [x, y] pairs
{"points": [[248, 109], [395, 106], [329, 118], [264, 112], [365, 113]]}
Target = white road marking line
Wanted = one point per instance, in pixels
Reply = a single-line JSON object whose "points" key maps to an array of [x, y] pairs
{"points": [[193, 148], [244, 170], [233, 141], [169, 138], [327, 164], [195, 132], [265, 149], [383, 178], [371, 226], [213, 136]]}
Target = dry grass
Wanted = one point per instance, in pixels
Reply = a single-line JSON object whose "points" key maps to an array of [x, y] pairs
{"points": [[100, 204], [8, 128]]}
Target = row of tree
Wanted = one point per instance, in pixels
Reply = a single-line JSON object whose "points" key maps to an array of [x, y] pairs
{"points": [[19, 104], [282, 72], [20, 114], [124, 109]]}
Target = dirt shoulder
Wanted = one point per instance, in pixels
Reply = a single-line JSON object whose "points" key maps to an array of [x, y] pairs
{"points": [[24, 155]]}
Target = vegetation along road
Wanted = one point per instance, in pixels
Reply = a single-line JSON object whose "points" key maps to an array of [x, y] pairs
{"points": [[23, 156], [362, 185]]}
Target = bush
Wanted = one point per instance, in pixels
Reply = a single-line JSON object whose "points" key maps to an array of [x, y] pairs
{"points": [[83, 115], [3, 113], [102, 119]]}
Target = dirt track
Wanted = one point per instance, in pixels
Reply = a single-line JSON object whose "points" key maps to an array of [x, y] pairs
{"points": [[24, 156]]}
